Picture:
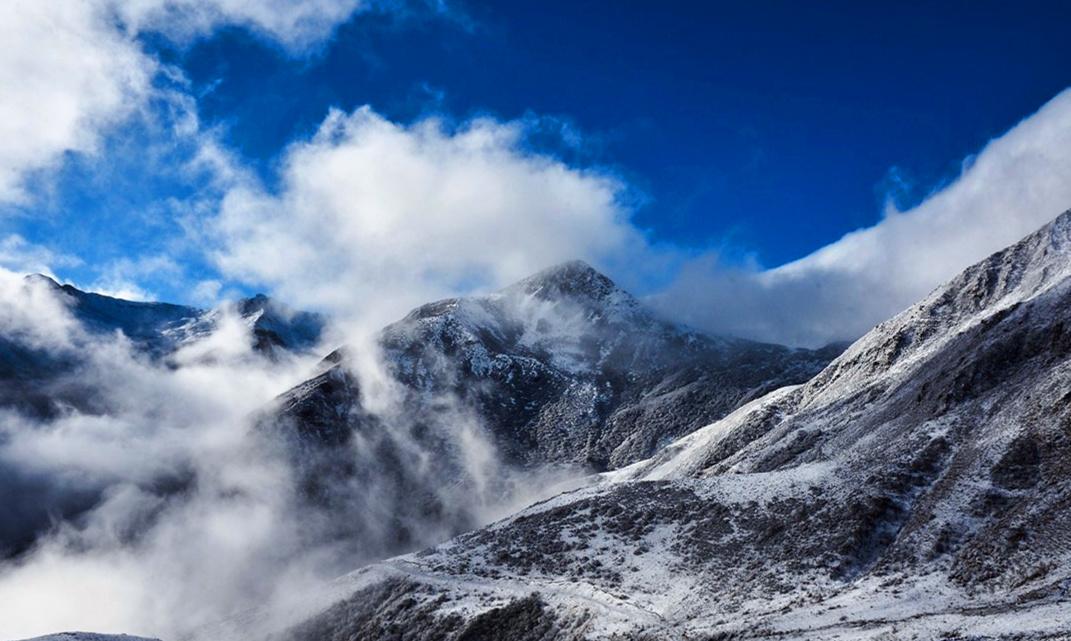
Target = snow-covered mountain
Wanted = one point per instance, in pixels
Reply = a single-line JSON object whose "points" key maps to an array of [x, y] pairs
{"points": [[31, 372], [160, 328], [563, 367], [491, 401], [918, 488]]}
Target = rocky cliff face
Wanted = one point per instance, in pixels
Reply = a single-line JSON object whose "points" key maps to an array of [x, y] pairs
{"points": [[918, 487]]}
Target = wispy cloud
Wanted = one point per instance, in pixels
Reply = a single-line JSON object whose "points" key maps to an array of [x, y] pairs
{"points": [[16, 253], [1018, 182]]}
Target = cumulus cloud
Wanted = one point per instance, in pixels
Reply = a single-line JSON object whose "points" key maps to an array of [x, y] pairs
{"points": [[372, 217], [379, 216], [72, 69], [1017, 183], [66, 73]]}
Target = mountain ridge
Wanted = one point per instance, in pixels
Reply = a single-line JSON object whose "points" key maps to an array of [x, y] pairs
{"points": [[567, 330], [162, 326]]}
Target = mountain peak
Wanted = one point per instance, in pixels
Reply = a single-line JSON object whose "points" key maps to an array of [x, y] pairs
{"points": [[41, 278], [253, 304], [574, 279]]}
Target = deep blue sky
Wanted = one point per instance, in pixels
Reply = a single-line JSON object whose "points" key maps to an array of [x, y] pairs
{"points": [[732, 118], [764, 128]]}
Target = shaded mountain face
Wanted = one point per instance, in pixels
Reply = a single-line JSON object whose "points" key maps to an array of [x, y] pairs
{"points": [[918, 487], [563, 368], [161, 328]]}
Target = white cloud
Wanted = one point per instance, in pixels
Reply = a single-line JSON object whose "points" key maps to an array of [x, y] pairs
{"points": [[66, 74], [72, 69], [372, 217], [375, 216], [199, 551], [207, 292], [296, 24], [31, 314], [18, 254], [1017, 183]]}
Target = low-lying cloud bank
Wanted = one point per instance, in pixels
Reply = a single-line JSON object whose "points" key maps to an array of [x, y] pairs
{"points": [[173, 506]]}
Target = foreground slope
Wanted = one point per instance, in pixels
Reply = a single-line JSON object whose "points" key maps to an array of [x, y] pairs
{"points": [[919, 487]]}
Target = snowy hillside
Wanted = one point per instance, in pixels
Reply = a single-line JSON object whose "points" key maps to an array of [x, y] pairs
{"points": [[919, 487]]}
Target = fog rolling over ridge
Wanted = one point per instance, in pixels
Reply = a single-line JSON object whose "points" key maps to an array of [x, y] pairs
{"points": [[164, 458], [136, 479]]}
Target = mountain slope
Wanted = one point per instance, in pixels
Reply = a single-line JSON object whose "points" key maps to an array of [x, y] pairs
{"points": [[919, 487], [480, 405]]}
